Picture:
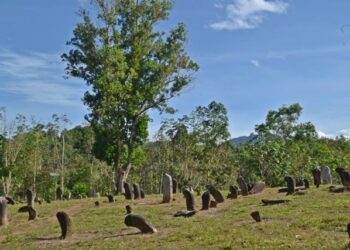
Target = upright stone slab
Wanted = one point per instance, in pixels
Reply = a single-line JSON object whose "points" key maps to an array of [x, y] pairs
{"points": [[128, 191], [317, 177], [326, 175], [306, 184], [30, 198], [189, 200], [174, 186], [137, 191], [59, 194], [242, 185], [345, 177], [290, 185], [167, 188], [205, 200], [233, 193], [215, 193], [258, 188], [3, 212]]}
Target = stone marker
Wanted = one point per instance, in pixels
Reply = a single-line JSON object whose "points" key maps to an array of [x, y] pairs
{"points": [[256, 216], [174, 181], [31, 212], [215, 193], [110, 198], [167, 188], [133, 220], [137, 191], [345, 177], [128, 209], [316, 173], [128, 191], [205, 200], [189, 199], [97, 203], [65, 224], [290, 184], [257, 188], [213, 204], [30, 198], [59, 194], [233, 192], [185, 213], [326, 175], [3, 212], [242, 185]]}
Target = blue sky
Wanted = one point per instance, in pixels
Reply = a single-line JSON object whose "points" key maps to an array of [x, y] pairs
{"points": [[255, 55]]}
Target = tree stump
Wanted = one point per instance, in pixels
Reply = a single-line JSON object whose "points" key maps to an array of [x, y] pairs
{"points": [[65, 224], [133, 220], [3, 212], [189, 200], [205, 200]]}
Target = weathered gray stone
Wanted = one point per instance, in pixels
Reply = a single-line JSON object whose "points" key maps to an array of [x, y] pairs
{"points": [[316, 173], [205, 200], [258, 187], [256, 216], [290, 185], [242, 185], [233, 192], [167, 188], [133, 220], [345, 177], [189, 200], [128, 191], [326, 175], [65, 224], [137, 191], [30, 198], [3, 212]]}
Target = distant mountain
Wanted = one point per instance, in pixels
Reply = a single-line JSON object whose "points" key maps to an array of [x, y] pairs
{"points": [[252, 138]]}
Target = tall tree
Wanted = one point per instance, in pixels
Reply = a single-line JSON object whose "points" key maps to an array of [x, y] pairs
{"points": [[131, 69]]}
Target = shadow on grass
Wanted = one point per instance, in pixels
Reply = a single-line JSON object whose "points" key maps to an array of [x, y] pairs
{"points": [[122, 235]]}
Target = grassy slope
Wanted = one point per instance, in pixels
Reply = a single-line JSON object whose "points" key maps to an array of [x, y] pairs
{"points": [[315, 221]]}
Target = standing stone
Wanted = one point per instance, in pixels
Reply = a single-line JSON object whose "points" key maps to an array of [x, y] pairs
{"points": [[142, 193], [205, 200], [110, 198], [306, 184], [233, 193], [91, 194], [256, 216], [345, 177], [189, 200], [133, 220], [242, 185], [317, 177], [137, 191], [30, 198], [167, 188], [258, 188], [66, 225], [174, 186], [215, 193], [128, 191], [299, 181], [59, 194], [326, 175], [290, 184], [3, 212]]}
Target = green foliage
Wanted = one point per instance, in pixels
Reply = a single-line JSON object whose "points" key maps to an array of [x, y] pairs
{"points": [[80, 188]]}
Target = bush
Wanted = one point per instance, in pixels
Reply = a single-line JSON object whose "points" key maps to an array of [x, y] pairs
{"points": [[80, 188]]}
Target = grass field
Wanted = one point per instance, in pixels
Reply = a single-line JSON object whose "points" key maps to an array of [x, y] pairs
{"points": [[315, 221]]}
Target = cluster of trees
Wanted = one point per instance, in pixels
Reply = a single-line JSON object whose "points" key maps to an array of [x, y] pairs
{"points": [[131, 68]]}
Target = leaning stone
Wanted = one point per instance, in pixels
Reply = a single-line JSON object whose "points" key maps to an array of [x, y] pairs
{"points": [[133, 220], [215, 193], [345, 177], [189, 199], [65, 224], [167, 188], [31, 212], [205, 200], [257, 188]]}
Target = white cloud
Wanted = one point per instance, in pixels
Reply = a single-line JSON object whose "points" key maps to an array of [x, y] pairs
{"points": [[345, 132], [38, 77], [248, 14], [324, 135], [255, 63]]}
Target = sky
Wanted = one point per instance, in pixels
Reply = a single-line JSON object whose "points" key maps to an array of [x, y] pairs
{"points": [[254, 56]]}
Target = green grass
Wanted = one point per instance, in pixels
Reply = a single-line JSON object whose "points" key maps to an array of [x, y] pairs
{"points": [[315, 221]]}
